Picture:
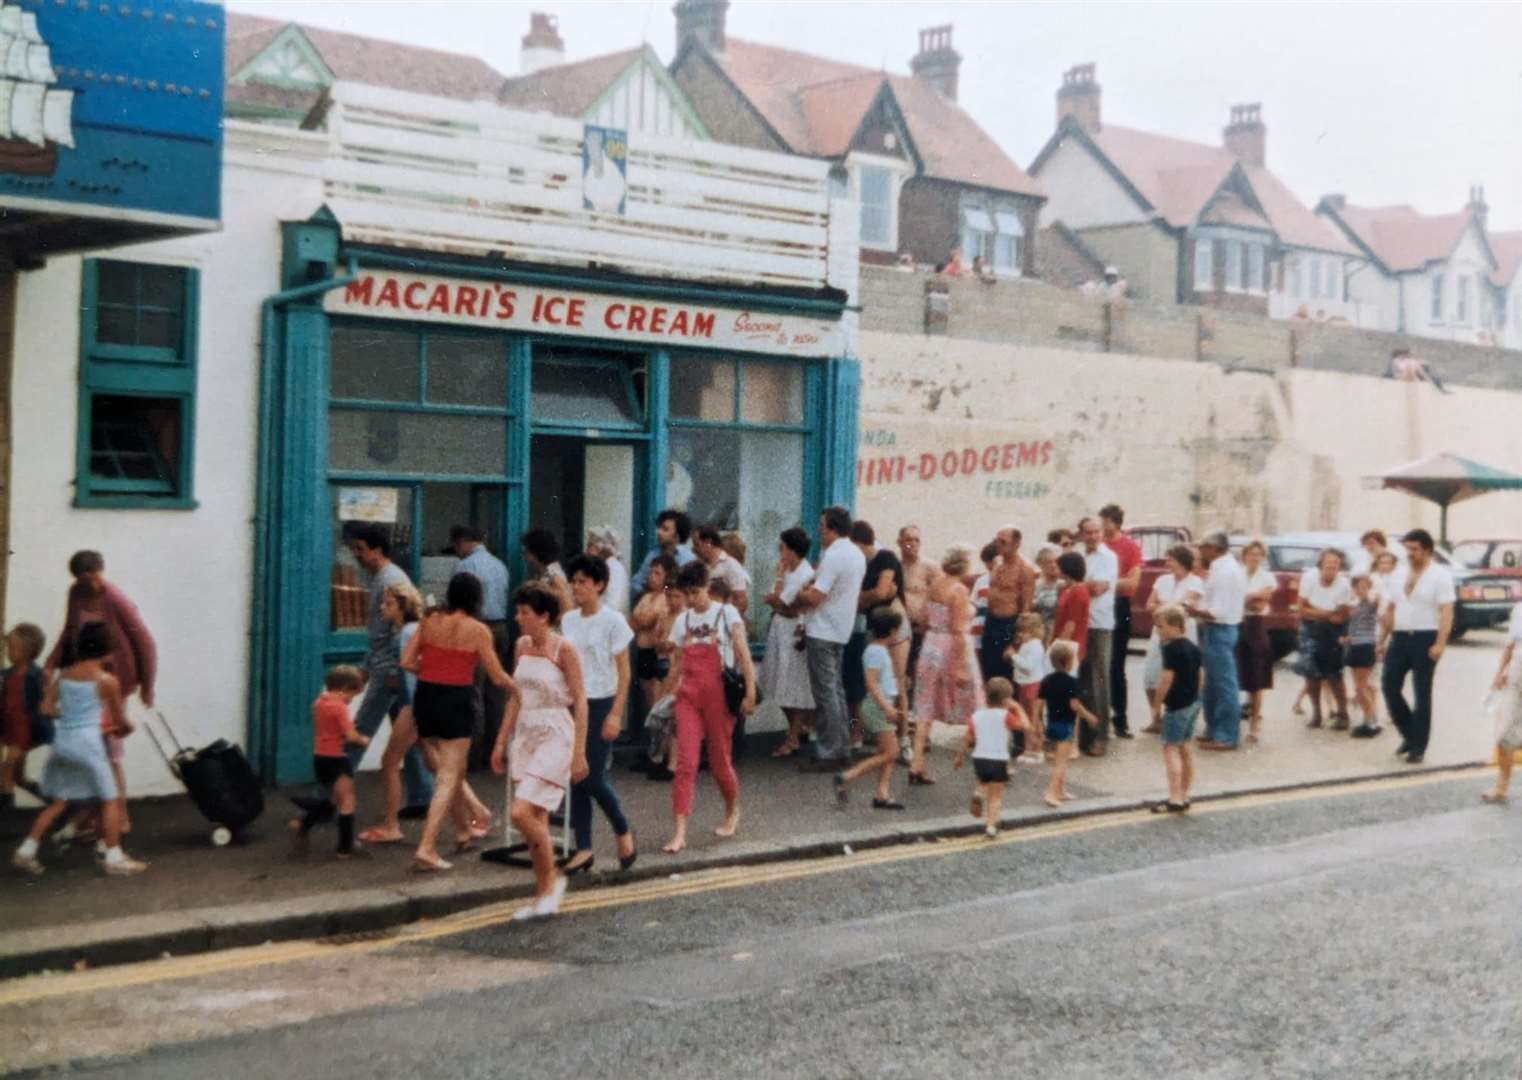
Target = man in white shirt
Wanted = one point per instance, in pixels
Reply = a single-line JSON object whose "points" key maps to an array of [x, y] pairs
{"points": [[1414, 629], [1220, 614], [830, 603], [708, 545], [1103, 570]]}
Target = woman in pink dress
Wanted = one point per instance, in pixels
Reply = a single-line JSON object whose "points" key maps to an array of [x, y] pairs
{"points": [[547, 723], [946, 680]]}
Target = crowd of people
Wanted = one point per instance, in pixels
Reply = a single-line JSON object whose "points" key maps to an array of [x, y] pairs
{"points": [[866, 651]]}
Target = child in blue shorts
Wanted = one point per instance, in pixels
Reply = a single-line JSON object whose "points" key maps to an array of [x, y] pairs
{"points": [[1059, 705], [1179, 691]]}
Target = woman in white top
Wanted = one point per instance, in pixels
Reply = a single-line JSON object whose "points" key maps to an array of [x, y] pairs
{"points": [[1180, 585], [1255, 653], [1326, 598], [784, 671], [1382, 576]]}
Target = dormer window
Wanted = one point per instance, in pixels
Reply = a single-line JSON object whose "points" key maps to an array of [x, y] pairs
{"points": [[877, 182]]}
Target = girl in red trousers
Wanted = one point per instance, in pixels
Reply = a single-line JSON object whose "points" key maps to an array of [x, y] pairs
{"points": [[708, 638]]}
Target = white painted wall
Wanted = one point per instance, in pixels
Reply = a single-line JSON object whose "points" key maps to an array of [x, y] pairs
{"points": [[1468, 261], [189, 571], [640, 102], [1080, 193]]}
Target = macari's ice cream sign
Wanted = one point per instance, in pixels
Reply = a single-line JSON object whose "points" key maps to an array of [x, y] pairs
{"points": [[955, 473], [507, 306]]}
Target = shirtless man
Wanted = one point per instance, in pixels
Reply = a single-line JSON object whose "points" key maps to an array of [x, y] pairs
{"points": [[1011, 585], [917, 578]]}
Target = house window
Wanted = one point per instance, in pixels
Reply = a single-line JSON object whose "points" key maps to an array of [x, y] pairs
{"points": [[1006, 253], [1234, 265], [1437, 297], [1333, 279], [1315, 278], [1255, 267], [1296, 276], [876, 186], [1204, 264], [977, 234], [1462, 312], [137, 382]]}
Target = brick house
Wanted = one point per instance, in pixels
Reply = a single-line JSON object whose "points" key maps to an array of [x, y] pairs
{"points": [[1187, 222], [927, 177], [1429, 275]]}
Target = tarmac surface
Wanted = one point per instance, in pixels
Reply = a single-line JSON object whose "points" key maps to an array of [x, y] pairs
{"points": [[1366, 932]]}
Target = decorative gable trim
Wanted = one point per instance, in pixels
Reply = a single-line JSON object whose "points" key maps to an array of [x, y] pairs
{"points": [[647, 60], [888, 101], [1326, 210], [277, 63]]}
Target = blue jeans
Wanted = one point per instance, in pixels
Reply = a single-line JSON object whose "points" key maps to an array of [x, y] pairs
{"points": [[832, 717], [595, 787], [378, 703], [1223, 704]]}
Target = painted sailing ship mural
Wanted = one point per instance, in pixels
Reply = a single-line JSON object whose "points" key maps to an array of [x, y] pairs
{"points": [[36, 116]]}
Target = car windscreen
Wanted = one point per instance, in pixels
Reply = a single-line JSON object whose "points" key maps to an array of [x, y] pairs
{"points": [[1471, 554]]}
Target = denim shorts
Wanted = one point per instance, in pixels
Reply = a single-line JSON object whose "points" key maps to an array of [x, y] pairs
{"points": [[1059, 731], [1178, 724]]}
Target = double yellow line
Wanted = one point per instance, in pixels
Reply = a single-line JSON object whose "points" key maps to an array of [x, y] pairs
{"points": [[39, 987]]}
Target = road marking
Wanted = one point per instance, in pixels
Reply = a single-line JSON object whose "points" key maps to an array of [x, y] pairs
{"points": [[38, 987]]}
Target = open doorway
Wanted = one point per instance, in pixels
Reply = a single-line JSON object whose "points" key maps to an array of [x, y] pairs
{"points": [[578, 483]]}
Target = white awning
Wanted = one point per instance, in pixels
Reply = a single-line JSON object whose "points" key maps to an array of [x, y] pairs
{"points": [[978, 220], [1009, 224]]}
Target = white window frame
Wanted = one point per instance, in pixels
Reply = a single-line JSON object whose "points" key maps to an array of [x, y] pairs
{"points": [[1204, 263], [1236, 266], [1294, 272], [1257, 268], [898, 172], [1435, 309], [1333, 279], [1461, 301]]}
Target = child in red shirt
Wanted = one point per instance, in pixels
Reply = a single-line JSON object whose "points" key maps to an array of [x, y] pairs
{"points": [[21, 723], [1071, 620], [332, 728]]}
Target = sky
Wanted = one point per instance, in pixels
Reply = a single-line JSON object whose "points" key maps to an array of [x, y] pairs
{"points": [[1384, 103]]}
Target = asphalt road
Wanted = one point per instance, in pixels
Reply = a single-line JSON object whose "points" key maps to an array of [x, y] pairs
{"points": [[1369, 933]]}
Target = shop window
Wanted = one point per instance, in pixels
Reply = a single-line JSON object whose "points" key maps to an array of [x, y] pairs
{"points": [[137, 384], [703, 389], [771, 393], [464, 370], [443, 507], [749, 482], [387, 508], [583, 390], [390, 441], [367, 364]]}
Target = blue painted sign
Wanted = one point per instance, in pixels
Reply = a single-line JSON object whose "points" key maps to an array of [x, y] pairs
{"points": [[604, 169], [112, 109]]}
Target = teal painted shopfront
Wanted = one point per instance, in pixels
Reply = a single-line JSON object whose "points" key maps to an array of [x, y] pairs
{"points": [[419, 392]]}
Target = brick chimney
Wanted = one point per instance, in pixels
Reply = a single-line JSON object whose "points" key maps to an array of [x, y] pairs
{"points": [[542, 46], [1477, 206], [1246, 137], [1078, 97], [702, 20], [937, 62]]}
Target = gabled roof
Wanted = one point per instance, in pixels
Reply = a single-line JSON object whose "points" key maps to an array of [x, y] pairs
{"points": [[1399, 237], [815, 106], [1507, 248], [569, 89], [367, 60], [1179, 179]]}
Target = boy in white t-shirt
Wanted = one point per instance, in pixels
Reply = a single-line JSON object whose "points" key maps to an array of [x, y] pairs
{"points": [[988, 740]]}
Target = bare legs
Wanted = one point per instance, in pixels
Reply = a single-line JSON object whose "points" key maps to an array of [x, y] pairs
{"points": [[533, 824], [1056, 788], [470, 814], [1179, 761], [1254, 714], [450, 775], [882, 761]]}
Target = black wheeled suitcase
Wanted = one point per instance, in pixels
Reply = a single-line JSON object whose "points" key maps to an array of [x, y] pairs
{"points": [[218, 779]]}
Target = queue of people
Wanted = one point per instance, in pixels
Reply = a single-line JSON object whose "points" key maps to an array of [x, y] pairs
{"points": [[866, 652]]}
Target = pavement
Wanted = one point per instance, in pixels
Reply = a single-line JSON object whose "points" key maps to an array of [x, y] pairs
{"points": [[1358, 931], [197, 898]]}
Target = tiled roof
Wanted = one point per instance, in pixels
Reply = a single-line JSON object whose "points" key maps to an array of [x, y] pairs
{"points": [[370, 60], [1507, 248], [1402, 238], [568, 89], [815, 105], [1179, 177]]}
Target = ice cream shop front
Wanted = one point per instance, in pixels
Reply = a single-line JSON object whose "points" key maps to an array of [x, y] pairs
{"points": [[549, 326]]}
